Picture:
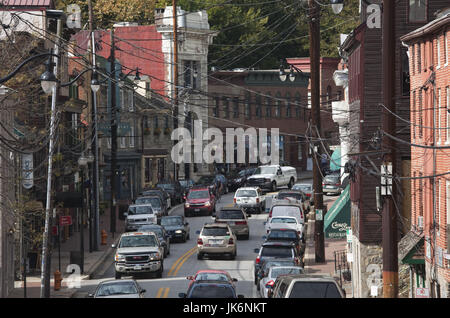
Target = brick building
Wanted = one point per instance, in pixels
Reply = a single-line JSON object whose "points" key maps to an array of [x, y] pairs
{"points": [[430, 103]]}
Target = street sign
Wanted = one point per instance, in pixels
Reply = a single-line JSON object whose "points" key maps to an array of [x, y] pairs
{"points": [[422, 293], [27, 171], [319, 215], [65, 220], [349, 235]]}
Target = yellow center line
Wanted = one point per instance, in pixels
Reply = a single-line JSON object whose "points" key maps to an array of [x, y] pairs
{"points": [[158, 294], [184, 260], [180, 259], [166, 293]]}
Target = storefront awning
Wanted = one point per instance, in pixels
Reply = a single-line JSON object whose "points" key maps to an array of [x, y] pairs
{"points": [[411, 249], [337, 219], [335, 161]]}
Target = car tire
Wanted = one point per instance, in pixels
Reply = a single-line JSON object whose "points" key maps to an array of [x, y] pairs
{"points": [[199, 256], [160, 272], [258, 287], [118, 275], [291, 183], [274, 186], [256, 280], [184, 238]]}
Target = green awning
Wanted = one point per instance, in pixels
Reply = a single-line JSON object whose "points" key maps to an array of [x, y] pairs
{"points": [[338, 218], [335, 161], [411, 249]]}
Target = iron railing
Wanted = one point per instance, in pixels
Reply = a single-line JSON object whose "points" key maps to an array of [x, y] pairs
{"points": [[341, 266]]}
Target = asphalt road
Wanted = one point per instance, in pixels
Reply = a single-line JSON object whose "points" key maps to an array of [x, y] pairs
{"points": [[183, 262]]}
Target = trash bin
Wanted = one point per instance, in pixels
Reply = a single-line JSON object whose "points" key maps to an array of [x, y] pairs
{"points": [[76, 258]]}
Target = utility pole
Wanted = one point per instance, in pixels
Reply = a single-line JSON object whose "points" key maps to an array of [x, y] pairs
{"points": [[389, 215], [314, 55], [175, 77], [113, 136]]}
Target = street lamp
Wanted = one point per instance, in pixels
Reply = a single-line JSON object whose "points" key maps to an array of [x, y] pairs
{"points": [[337, 6], [283, 75], [48, 78]]}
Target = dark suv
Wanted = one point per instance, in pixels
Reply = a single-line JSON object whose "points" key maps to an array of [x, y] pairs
{"points": [[210, 289], [276, 250], [285, 235], [306, 286], [174, 189]]}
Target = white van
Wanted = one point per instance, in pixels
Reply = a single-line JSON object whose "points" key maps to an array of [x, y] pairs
{"points": [[287, 209]]}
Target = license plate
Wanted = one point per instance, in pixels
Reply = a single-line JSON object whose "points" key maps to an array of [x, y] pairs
{"points": [[215, 242], [137, 268], [197, 210]]}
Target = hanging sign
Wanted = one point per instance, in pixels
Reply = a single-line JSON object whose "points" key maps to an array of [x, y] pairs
{"points": [[27, 171]]}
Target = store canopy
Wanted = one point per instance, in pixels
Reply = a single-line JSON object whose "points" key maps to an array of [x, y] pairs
{"points": [[337, 219], [411, 249], [335, 161]]}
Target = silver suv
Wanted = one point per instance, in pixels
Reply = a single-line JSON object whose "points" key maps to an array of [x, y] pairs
{"points": [[139, 252], [306, 286]]}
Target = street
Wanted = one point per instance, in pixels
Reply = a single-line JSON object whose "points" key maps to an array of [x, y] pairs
{"points": [[183, 262]]}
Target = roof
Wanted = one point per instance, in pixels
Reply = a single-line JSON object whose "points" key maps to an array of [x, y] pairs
{"points": [[277, 244], [216, 225], [212, 271], [27, 3], [138, 233], [428, 28]]}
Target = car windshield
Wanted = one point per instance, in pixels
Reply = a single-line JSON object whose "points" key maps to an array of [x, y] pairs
{"points": [[242, 173], [212, 276], [168, 186], [283, 220], [138, 241], [284, 195], [331, 179], [117, 288], [212, 291], [282, 235], [198, 194], [155, 202], [206, 179], [286, 271], [230, 214], [184, 183], [145, 209], [246, 193], [156, 230], [277, 251], [267, 265], [215, 231], [266, 170], [314, 290], [302, 187], [171, 221], [286, 209]]}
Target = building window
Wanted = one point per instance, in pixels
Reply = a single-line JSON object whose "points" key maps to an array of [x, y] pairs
{"points": [[268, 107], [108, 142], [147, 90], [329, 98], [419, 57], [417, 10], [122, 142], [131, 136], [288, 107], [131, 100], [414, 115], [166, 122], [438, 206], [226, 107], [278, 105], [445, 49], [438, 51], [216, 107], [438, 115], [236, 107], [447, 109], [419, 110], [247, 108], [191, 71], [405, 73], [447, 187], [147, 171], [413, 58], [258, 109]]}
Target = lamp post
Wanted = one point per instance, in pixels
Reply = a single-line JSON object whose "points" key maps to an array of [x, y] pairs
{"points": [[83, 163]]}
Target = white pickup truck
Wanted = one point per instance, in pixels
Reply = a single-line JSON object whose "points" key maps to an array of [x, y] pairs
{"points": [[272, 176]]}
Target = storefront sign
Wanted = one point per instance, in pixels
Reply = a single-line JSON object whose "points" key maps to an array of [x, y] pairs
{"points": [[422, 293]]}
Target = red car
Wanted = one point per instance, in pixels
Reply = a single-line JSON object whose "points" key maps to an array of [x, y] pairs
{"points": [[212, 274], [199, 201]]}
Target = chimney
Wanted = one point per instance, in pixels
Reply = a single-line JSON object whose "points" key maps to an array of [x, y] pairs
{"points": [[159, 15]]}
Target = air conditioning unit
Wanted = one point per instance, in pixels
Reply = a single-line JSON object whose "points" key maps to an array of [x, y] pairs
{"points": [[420, 222]]}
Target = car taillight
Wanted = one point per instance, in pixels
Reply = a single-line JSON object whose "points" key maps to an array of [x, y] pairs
{"points": [[270, 214], [231, 241], [241, 223], [200, 241], [270, 283], [257, 200], [308, 194], [337, 184], [234, 200], [257, 260]]}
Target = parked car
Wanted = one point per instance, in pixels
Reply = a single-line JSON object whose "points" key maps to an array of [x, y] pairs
{"points": [[157, 205], [332, 184], [174, 189], [267, 264], [287, 209], [163, 236], [307, 189], [250, 199], [138, 215], [237, 180], [211, 275], [306, 286], [216, 239], [209, 182], [124, 288], [273, 176], [268, 279], [275, 250], [285, 235], [236, 218], [186, 184], [296, 195], [285, 222], [210, 289], [165, 197], [138, 252], [176, 227], [200, 200]]}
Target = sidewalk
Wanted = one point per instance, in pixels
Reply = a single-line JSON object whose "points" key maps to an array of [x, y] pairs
{"points": [[92, 261], [331, 246], [303, 175]]}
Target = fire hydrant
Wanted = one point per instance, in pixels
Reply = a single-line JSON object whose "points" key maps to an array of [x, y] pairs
{"points": [[58, 279], [104, 236]]}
